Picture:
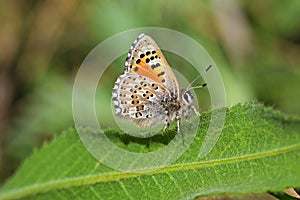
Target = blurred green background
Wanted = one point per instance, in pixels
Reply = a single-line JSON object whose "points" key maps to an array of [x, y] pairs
{"points": [[255, 44]]}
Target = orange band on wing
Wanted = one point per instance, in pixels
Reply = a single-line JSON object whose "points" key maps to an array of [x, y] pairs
{"points": [[144, 69]]}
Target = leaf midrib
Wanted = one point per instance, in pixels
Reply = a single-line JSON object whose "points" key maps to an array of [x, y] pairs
{"points": [[91, 179]]}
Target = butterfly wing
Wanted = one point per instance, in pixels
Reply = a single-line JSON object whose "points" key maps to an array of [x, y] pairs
{"points": [[145, 58], [139, 98]]}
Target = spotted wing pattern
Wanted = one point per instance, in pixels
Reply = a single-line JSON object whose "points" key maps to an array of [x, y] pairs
{"points": [[139, 93], [145, 58], [138, 98]]}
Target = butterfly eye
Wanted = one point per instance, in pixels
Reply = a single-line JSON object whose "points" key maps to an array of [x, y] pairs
{"points": [[187, 97]]}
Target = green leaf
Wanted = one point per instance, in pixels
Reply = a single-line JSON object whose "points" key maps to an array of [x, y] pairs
{"points": [[258, 151]]}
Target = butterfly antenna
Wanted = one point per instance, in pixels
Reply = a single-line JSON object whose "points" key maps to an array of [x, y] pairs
{"points": [[200, 75]]}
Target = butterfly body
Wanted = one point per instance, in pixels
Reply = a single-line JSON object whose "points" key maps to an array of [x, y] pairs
{"points": [[148, 92]]}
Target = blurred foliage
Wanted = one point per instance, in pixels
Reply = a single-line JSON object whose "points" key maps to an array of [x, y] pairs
{"points": [[255, 44]]}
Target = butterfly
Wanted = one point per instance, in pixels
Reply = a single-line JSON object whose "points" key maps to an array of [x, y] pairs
{"points": [[148, 92]]}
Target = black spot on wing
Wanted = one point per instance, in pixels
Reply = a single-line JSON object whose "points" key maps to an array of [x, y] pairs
{"points": [[161, 74], [155, 65]]}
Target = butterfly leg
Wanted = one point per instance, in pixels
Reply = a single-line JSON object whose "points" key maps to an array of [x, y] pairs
{"points": [[178, 126], [167, 124], [196, 111], [178, 131]]}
